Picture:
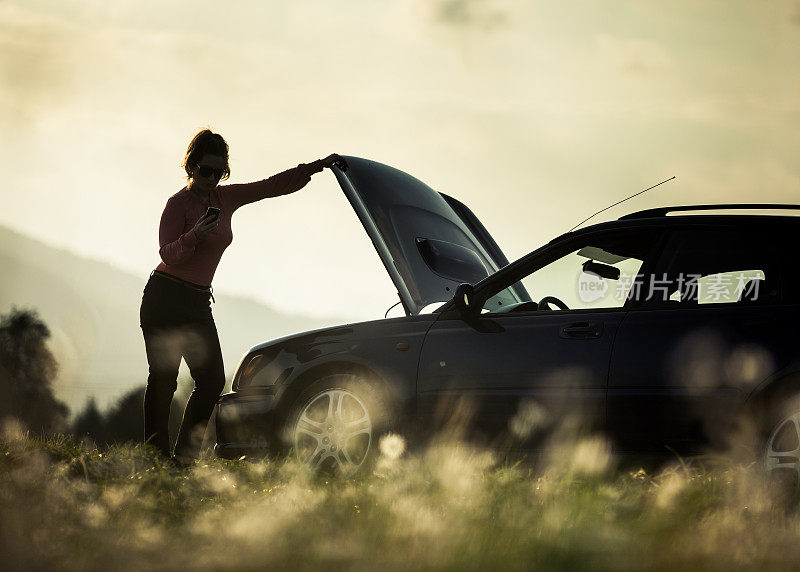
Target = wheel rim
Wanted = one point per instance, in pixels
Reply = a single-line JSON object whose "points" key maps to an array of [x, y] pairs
{"points": [[333, 430], [782, 454]]}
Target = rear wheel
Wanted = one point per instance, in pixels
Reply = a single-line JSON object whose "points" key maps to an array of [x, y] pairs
{"points": [[334, 424], [781, 449]]}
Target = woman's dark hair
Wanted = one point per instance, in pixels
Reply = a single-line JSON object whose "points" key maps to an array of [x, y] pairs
{"points": [[206, 141]]}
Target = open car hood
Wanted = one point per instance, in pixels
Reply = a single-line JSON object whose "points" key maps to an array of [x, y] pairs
{"points": [[428, 242]]}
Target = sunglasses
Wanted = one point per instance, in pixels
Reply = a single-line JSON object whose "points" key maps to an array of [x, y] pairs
{"points": [[207, 172]]}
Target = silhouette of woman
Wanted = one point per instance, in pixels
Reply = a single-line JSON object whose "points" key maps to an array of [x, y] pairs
{"points": [[175, 315]]}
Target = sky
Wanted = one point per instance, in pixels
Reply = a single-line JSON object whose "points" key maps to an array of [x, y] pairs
{"points": [[534, 114]]}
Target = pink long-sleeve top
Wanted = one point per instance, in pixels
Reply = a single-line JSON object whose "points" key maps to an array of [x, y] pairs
{"points": [[193, 260]]}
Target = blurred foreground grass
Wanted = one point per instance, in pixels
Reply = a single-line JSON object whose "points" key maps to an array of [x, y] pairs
{"points": [[66, 505]]}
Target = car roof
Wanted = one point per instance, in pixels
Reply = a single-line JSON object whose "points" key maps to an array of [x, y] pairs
{"points": [[663, 211], [657, 218]]}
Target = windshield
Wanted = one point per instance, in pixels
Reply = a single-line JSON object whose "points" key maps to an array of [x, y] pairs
{"points": [[599, 273]]}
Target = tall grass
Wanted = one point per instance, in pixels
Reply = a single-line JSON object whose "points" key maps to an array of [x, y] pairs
{"points": [[67, 505]]}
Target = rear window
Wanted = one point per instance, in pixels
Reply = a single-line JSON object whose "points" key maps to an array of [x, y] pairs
{"points": [[702, 267]]}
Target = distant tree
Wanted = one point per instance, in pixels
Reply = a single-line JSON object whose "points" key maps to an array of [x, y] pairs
{"points": [[27, 369], [90, 423], [124, 421]]}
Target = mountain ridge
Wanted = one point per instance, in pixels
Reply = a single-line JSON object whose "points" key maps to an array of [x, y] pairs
{"points": [[92, 310]]}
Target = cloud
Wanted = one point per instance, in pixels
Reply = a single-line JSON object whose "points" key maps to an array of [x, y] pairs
{"points": [[35, 61], [462, 15], [470, 13], [633, 56]]}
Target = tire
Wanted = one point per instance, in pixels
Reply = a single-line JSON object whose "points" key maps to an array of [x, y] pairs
{"points": [[335, 423], [780, 446]]}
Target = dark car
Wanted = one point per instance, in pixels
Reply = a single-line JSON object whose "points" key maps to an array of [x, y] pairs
{"points": [[666, 331]]}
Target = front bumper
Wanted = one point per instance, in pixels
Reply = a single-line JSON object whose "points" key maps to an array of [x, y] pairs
{"points": [[245, 425]]}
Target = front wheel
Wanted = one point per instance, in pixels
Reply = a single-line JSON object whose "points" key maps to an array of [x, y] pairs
{"points": [[334, 423]]}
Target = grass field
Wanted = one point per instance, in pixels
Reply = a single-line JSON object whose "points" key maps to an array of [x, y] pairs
{"points": [[67, 505]]}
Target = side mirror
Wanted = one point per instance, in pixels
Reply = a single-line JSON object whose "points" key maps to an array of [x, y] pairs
{"points": [[464, 299]]}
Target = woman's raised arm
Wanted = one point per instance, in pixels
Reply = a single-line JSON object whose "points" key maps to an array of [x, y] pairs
{"points": [[284, 183]]}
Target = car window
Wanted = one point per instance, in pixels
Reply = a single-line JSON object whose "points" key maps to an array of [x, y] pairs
{"points": [[703, 267], [722, 287], [599, 272]]}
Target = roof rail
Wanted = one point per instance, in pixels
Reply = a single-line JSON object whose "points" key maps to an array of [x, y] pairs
{"points": [[662, 211]]}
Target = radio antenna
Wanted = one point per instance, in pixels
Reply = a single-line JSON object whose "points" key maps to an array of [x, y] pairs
{"points": [[618, 202]]}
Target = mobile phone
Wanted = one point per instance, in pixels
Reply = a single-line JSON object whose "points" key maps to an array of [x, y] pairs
{"points": [[211, 212]]}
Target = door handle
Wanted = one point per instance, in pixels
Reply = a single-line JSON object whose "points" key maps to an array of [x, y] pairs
{"points": [[582, 330]]}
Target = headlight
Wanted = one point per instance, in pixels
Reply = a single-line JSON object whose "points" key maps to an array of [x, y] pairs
{"points": [[263, 369], [247, 369]]}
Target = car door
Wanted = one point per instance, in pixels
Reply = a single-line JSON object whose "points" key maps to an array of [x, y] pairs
{"points": [[711, 327], [521, 367]]}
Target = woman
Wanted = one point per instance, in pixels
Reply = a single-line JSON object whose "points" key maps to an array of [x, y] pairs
{"points": [[175, 315]]}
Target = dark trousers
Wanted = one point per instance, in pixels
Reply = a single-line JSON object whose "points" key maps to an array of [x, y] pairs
{"points": [[176, 322]]}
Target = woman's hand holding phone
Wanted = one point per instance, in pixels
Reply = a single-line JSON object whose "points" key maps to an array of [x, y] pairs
{"points": [[207, 223]]}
